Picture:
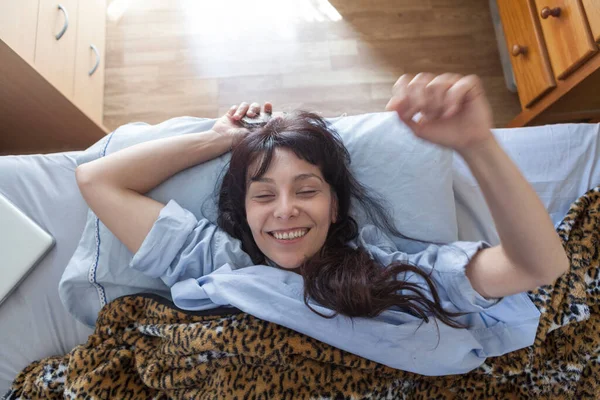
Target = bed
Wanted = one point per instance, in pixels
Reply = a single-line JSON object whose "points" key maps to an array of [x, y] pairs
{"points": [[560, 161]]}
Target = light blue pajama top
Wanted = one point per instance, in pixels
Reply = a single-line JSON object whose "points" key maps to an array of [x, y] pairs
{"points": [[206, 268]]}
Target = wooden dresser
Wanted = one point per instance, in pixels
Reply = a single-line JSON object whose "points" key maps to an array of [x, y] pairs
{"points": [[51, 75], [555, 59]]}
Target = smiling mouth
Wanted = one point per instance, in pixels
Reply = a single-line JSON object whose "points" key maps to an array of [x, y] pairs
{"points": [[284, 238]]}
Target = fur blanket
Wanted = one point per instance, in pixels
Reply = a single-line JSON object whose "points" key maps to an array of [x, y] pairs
{"points": [[146, 348]]}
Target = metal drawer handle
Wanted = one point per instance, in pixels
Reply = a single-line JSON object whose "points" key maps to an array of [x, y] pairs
{"points": [[66, 25], [547, 11], [97, 60]]}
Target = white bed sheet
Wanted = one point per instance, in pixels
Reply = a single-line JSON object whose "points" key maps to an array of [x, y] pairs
{"points": [[561, 162], [33, 322]]}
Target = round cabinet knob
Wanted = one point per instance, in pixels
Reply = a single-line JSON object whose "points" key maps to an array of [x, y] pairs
{"points": [[516, 50], [547, 12]]}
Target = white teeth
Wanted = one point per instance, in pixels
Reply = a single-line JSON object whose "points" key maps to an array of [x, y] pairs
{"points": [[290, 235]]}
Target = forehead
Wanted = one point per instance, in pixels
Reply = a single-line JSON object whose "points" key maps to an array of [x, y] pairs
{"points": [[283, 164]]}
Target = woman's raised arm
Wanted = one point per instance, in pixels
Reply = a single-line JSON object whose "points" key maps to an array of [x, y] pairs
{"points": [[456, 114], [114, 186]]}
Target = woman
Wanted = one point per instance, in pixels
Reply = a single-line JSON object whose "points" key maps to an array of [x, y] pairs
{"points": [[290, 179]]}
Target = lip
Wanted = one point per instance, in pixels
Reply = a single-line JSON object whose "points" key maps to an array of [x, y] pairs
{"points": [[288, 241]]}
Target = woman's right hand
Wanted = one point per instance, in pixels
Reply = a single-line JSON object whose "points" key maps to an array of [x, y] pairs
{"points": [[454, 110], [227, 125]]}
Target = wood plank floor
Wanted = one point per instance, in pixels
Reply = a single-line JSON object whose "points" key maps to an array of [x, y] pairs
{"points": [[168, 58]]}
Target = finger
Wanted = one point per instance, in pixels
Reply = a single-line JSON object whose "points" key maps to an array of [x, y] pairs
{"points": [[417, 95], [463, 90], [400, 101], [232, 110], [402, 82], [241, 111], [268, 107], [435, 94], [254, 110]]}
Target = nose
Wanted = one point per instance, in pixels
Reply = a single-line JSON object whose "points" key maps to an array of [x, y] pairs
{"points": [[285, 208]]}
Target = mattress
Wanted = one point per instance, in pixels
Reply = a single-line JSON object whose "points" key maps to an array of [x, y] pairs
{"points": [[560, 161], [33, 321]]}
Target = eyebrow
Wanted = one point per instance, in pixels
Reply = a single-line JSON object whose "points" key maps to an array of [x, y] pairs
{"points": [[296, 178]]}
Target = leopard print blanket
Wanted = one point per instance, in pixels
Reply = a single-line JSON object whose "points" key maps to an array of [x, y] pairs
{"points": [[146, 348]]}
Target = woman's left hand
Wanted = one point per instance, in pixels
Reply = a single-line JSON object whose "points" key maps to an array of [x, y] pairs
{"points": [[228, 124], [454, 110]]}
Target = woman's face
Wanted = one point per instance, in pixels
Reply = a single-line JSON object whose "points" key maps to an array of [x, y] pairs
{"points": [[289, 209]]}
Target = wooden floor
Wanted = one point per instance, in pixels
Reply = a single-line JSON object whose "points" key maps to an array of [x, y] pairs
{"points": [[168, 58]]}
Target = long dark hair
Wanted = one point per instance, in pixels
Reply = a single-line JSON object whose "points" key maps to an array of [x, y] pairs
{"points": [[339, 277]]}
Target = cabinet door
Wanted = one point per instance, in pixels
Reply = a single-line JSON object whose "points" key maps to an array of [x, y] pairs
{"points": [[18, 23], [55, 58], [88, 93], [567, 34], [529, 58], [592, 10]]}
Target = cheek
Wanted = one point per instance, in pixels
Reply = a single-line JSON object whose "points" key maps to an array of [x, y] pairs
{"points": [[327, 210], [250, 216], [255, 219]]}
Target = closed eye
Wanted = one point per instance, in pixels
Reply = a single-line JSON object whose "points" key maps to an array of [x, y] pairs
{"points": [[306, 193]]}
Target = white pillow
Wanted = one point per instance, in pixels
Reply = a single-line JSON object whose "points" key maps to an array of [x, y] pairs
{"points": [[412, 175]]}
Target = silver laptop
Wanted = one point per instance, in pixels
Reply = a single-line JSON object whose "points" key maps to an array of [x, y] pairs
{"points": [[22, 245]]}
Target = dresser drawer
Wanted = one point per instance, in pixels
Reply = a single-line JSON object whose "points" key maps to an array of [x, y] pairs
{"points": [[529, 59], [567, 34], [88, 93], [592, 10], [55, 58], [18, 24]]}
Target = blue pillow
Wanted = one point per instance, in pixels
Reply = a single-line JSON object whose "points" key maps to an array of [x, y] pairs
{"points": [[412, 175]]}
